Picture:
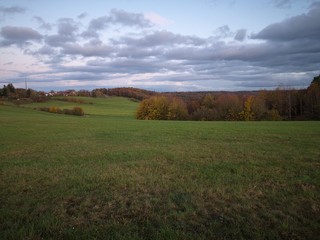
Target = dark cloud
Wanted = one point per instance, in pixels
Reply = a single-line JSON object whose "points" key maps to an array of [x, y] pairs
{"points": [[19, 36], [305, 26], [290, 46]]}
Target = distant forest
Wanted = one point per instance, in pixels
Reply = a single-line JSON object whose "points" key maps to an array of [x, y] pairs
{"points": [[263, 105]]}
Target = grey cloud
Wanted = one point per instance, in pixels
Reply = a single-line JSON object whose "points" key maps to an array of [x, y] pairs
{"points": [[42, 24], [99, 23], [223, 32], [11, 10], [80, 76], [129, 19], [290, 3], [184, 77], [55, 59], [315, 4], [240, 35], [282, 3], [55, 75], [67, 26], [82, 15], [265, 81], [93, 48], [67, 32], [19, 36], [59, 40], [96, 25], [292, 45], [188, 53], [46, 50], [139, 53], [296, 56], [162, 38], [127, 65], [300, 27], [115, 17]]}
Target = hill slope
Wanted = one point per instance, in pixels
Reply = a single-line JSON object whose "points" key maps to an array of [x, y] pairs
{"points": [[110, 176]]}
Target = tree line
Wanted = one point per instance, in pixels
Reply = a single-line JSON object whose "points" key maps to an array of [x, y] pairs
{"points": [[279, 104], [13, 94]]}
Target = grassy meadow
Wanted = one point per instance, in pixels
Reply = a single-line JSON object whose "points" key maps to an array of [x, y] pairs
{"points": [[107, 175]]}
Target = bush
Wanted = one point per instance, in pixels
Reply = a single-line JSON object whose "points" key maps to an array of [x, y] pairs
{"points": [[67, 111], [54, 110], [78, 111]]}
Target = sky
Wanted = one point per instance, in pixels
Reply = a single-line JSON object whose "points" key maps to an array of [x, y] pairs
{"points": [[189, 45]]}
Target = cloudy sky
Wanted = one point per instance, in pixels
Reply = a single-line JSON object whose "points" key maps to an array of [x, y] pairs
{"points": [[168, 45]]}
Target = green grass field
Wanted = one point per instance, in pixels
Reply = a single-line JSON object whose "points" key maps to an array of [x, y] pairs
{"points": [[109, 176]]}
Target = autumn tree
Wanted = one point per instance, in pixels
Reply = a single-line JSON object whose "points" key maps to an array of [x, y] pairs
{"points": [[154, 108], [177, 110], [228, 107], [259, 105], [247, 113], [208, 101], [313, 99], [162, 108], [192, 106], [202, 109], [273, 115], [97, 93]]}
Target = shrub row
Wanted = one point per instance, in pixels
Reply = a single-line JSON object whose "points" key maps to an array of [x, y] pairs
{"points": [[74, 100], [78, 111]]}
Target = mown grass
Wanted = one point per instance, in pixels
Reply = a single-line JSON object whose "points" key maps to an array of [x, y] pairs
{"points": [[109, 176]]}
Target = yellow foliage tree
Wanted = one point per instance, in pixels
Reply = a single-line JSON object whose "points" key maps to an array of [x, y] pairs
{"points": [[247, 114], [162, 108]]}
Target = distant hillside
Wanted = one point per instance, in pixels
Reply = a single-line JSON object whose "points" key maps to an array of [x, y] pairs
{"points": [[134, 93]]}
